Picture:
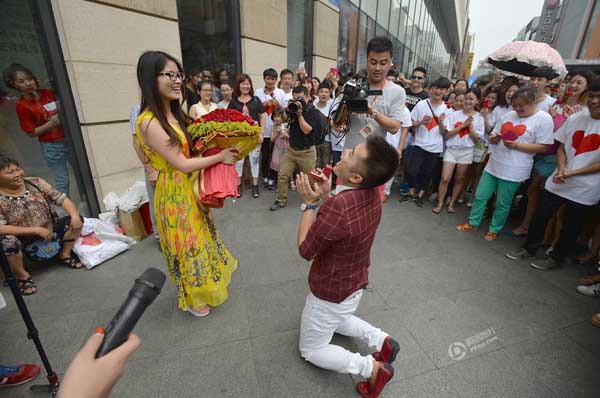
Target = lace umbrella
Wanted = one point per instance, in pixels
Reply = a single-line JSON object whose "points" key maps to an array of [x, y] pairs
{"points": [[522, 57]]}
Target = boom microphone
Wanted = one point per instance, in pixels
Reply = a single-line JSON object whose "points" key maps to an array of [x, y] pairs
{"points": [[142, 294]]}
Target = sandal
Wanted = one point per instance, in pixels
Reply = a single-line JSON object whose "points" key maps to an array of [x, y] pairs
{"points": [[596, 320], [72, 262], [437, 209], [513, 234], [451, 209], [26, 286], [199, 314], [490, 236], [466, 227]]}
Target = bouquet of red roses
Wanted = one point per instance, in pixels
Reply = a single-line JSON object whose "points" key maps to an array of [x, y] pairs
{"points": [[211, 133], [225, 128]]}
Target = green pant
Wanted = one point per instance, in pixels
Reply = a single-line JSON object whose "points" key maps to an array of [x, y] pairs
{"points": [[505, 191], [303, 160]]}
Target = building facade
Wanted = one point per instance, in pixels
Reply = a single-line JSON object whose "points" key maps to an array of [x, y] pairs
{"points": [[86, 52], [572, 27], [424, 33]]}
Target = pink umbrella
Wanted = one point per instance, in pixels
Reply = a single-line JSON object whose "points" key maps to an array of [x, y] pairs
{"points": [[522, 57]]}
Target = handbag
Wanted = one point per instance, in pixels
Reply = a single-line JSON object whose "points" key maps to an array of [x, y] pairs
{"points": [[40, 249]]}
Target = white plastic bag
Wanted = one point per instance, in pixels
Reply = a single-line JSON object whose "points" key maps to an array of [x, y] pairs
{"points": [[110, 217], [103, 242], [133, 198], [111, 201]]}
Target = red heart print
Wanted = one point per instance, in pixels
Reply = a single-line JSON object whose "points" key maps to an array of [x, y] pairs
{"points": [[432, 124], [589, 143], [462, 132], [510, 132]]}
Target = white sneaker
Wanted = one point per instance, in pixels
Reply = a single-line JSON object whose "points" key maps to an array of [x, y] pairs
{"points": [[592, 290], [520, 254]]}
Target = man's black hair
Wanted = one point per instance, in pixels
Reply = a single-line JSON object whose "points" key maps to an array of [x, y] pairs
{"points": [[381, 162], [270, 72], [544, 72], [300, 89], [285, 71], [393, 72], [325, 84], [380, 44], [420, 69], [442, 82]]}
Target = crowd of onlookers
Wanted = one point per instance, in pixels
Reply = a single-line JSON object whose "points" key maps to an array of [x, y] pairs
{"points": [[503, 147]]}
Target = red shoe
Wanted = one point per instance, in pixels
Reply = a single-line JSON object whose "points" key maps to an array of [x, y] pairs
{"points": [[16, 375], [389, 350], [385, 374]]}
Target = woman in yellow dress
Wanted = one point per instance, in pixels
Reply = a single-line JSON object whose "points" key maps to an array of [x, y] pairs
{"points": [[199, 264]]}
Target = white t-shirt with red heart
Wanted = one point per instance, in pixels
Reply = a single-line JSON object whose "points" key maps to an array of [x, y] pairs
{"points": [[428, 137], [462, 139], [581, 136], [512, 164], [279, 95]]}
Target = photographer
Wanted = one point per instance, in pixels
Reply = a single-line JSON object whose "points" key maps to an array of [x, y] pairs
{"points": [[384, 111], [305, 125]]}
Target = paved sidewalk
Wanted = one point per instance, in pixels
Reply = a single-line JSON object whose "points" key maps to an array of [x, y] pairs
{"points": [[526, 333]]}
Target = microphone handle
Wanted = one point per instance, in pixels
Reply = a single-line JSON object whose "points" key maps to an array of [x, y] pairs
{"points": [[122, 323]]}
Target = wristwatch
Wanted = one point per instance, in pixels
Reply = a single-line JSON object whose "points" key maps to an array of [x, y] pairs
{"points": [[309, 206]]}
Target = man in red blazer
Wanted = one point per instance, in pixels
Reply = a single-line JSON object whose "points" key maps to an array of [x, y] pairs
{"points": [[338, 239]]}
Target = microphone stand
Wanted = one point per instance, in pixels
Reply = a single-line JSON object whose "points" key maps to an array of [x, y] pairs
{"points": [[32, 332]]}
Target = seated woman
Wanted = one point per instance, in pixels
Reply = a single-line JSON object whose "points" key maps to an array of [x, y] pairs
{"points": [[26, 216]]}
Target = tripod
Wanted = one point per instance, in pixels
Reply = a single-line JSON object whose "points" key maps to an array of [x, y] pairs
{"points": [[32, 332]]}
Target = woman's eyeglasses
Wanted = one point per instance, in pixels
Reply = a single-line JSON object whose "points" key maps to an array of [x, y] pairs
{"points": [[173, 76]]}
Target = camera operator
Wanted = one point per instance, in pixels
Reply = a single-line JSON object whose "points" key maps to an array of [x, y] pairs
{"points": [[384, 111], [305, 125]]}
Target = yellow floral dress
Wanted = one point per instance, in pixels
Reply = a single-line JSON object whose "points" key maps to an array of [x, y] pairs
{"points": [[199, 264]]}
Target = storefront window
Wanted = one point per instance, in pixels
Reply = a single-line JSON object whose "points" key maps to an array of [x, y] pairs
{"points": [[395, 18], [347, 37], [299, 33], [369, 7], [209, 35], [383, 13], [32, 129]]}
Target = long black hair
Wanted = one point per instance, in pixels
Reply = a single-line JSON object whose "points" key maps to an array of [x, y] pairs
{"points": [[150, 64]]}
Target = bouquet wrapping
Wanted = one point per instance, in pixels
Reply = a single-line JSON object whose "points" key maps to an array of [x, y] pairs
{"points": [[211, 133]]}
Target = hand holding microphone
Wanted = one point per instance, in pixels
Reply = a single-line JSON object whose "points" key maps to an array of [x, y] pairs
{"points": [[98, 366], [88, 376]]}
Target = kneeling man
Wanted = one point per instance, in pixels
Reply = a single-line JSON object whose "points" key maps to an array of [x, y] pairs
{"points": [[338, 239]]}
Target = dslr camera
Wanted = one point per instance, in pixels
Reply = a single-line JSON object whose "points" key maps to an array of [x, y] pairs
{"points": [[292, 109]]}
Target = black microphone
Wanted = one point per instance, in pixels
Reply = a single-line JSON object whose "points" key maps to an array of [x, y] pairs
{"points": [[142, 294]]}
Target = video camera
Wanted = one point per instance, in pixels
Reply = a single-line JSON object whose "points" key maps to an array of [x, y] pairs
{"points": [[355, 93]]}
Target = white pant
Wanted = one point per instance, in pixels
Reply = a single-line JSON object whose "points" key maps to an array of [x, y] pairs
{"points": [[320, 319], [387, 188], [254, 163]]}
